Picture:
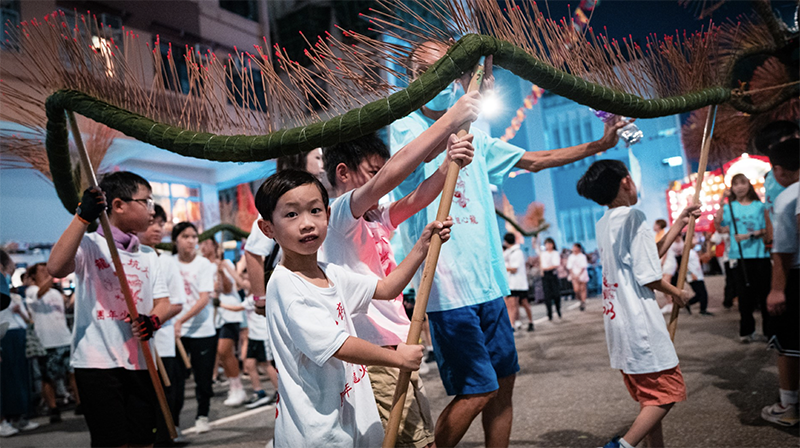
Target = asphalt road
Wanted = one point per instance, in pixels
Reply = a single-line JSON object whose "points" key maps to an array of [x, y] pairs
{"points": [[566, 394]]}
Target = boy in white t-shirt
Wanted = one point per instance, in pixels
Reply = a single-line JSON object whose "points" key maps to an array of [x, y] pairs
{"points": [[359, 233], [325, 397], [783, 301], [164, 340], [119, 402], [46, 306], [638, 342]]}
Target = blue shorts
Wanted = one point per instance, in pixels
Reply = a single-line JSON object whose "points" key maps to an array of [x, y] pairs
{"points": [[474, 346]]}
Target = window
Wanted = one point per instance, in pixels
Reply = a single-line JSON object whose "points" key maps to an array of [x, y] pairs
{"points": [[181, 203], [245, 8], [177, 80], [253, 92]]}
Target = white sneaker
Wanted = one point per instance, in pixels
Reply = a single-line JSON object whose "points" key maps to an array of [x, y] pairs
{"points": [[784, 416], [236, 397], [27, 425], [201, 425], [7, 429], [518, 324], [181, 438], [424, 368]]}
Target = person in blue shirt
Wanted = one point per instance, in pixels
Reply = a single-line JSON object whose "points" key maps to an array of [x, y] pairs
{"points": [[470, 329], [746, 218]]}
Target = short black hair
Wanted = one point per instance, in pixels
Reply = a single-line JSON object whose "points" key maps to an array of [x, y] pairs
{"points": [[122, 185], [177, 230], [158, 212], [293, 161], [352, 153], [510, 238], [281, 183], [661, 223], [773, 133], [551, 241], [601, 181], [5, 260], [786, 154]]}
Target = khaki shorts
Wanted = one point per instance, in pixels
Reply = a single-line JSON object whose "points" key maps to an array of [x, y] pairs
{"points": [[416, 426]]}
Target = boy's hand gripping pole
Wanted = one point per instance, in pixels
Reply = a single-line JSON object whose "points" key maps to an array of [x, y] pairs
{"points": [[421, 304], [687, 242], [123, 281]]}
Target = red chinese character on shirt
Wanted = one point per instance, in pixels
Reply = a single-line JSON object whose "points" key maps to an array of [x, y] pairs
{"points": [[340, 311], [100, 315], [345, 392], [101, 263], [362, 371], [609, 294]]}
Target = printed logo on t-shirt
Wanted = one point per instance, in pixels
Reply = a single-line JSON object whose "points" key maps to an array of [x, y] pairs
{"points": [[339, 313], [609, 294], [357, 377], [458, 196]]}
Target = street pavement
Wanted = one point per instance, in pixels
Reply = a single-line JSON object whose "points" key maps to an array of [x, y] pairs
{"points": [[566, 394]]}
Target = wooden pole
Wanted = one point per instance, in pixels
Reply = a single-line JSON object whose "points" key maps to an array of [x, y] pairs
{"points": [[687, 245], [123, 281], [182, 351], [421, 304], [161, 369]]}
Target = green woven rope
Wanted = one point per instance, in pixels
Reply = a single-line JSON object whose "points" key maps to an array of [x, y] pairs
{"points": [[353, 124]]}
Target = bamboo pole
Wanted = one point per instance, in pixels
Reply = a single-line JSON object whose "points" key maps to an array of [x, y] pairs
{"points": [[698, 187], [123, 281], [421, 304]]}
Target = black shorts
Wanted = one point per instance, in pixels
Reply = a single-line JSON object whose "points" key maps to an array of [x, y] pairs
{"points": [[519, 294], [119, 405], [229, 331], [54, 365], [256, 350], [782, 330]]}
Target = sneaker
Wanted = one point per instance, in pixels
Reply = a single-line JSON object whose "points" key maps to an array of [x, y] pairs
{"points": [[583, 307], [613, 443], [7, 429], [201, 425], [430, 357], [181, 439], [424, 368], [518, 324], [780, 415], [274, 399], [26, 425], [258, 399], [236, 397], [55, 415], [688, 309], [530, 326], [706, 313]]}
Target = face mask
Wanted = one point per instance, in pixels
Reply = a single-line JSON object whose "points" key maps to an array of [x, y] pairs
{"points": [[443, 101]]}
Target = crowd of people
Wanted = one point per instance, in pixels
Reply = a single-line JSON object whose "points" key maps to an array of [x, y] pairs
{"points": [[317, 301]]}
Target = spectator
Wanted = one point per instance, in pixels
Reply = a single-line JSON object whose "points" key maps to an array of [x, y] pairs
{"points": [[550, 261], [577, 265], [517, 281], [660, 228]]}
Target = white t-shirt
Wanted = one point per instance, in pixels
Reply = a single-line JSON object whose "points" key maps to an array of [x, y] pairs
{"points": [[100, 337], [548, 259], [227, 316], [514, 258], [636, 334], [787, 207], [694, 267], [198, 276], [577, 265], [258, 244], [324, 401], [14, 320], [363, 247], [49, 317], [165, 337], [256, 324], [669, 264]]}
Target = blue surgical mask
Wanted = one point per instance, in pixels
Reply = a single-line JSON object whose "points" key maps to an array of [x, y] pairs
{"points": [[443, 101]]}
